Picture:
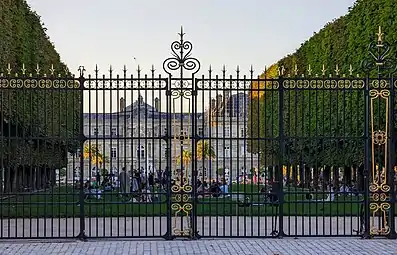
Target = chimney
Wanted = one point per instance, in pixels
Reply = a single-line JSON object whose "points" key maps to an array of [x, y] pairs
{"points": [[213, 104], [122, 104], [140, 99], [157, 104], [227, 95], [219, 100]]}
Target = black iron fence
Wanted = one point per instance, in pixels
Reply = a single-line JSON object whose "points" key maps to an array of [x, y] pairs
{"points": [[191, 155]]}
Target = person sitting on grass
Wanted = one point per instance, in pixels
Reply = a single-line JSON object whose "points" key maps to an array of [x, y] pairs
{"points": [[89, 190], [215, 190], [269, 195], [310, 196], [224, 188]]}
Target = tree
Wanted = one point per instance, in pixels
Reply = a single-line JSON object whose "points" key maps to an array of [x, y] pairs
{"points": [[324, 120], [205, 151], [220, 171], [185, 158], [50, 117], [92, 152]]}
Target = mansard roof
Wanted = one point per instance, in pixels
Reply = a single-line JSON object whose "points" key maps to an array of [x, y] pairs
{"points": [[140, 109]]}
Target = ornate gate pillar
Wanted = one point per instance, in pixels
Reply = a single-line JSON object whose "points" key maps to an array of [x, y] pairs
{"points": [[381, 120], [182, 138]]}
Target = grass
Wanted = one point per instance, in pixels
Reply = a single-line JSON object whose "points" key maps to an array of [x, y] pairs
{"points": [[63, 202]]}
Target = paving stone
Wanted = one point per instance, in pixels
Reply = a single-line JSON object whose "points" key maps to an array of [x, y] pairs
{"points": [[304, 246]]}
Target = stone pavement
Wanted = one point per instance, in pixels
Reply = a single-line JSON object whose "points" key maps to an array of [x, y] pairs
{"points": [[305, 246]]}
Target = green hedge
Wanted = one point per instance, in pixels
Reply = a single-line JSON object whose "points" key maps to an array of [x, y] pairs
{"points": [[32, 112]]}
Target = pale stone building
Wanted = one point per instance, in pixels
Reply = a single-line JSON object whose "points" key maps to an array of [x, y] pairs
{"points": [[135, 137]]}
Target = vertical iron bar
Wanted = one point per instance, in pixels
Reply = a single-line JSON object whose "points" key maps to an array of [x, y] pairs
{"points": [[392, 162], [169, 234], [195, 137], [367, 152], [280, 188], [82, 236]]}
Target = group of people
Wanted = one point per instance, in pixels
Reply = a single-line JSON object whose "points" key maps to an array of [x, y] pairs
{"points": [[134, 186]]}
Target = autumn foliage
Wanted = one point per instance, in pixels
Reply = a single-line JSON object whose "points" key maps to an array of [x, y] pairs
{"points": [[258, 85]]}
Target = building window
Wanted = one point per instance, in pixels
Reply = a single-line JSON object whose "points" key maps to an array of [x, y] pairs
{"points": [[200, 131], [140, 151], [227, 151], [113, 153], [149, 148], [113, 132], [95, 131], [227, 131], [242, 133], [242, 150]]}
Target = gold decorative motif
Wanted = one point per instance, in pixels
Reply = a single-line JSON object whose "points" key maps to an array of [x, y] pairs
{"points": [[52, 70], [23, 69], [182, 188], [9, 70], [38, 83], [351, 70], [380, 36], [379, 205], [323, 70], [379, 137], [309, 70], [323, 83], [380, 84], [337, 70]]}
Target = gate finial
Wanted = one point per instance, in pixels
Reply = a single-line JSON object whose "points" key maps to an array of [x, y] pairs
{"points": [[181, 34], [380, 35]]}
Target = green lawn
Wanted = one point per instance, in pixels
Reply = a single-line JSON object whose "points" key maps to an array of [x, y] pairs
{"points": [[63, 202]]}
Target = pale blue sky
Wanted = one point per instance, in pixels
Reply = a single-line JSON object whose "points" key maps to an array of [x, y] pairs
{"points": [[230, 32]]}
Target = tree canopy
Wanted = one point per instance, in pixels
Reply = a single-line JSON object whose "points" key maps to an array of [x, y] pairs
{"points": [[46, 120], [321, 126]]}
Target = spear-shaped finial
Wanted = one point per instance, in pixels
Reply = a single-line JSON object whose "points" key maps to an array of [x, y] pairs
{"points": [[23, 69], [309, 70], [337, 70], [37, 69], [181, 34], [9, 69], [52, 69], [281, 71], [224, 69], [351, 70], [296, 70], [323, 70], [81, 70], [380, 35]]}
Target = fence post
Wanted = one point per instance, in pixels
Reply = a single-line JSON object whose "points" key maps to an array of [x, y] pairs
{"points": [[169, 234], [367, 156], [392, 162], [82, 138], [281, 138]]}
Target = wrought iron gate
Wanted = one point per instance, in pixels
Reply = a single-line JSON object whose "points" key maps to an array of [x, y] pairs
{"points": [[285, 153]]}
